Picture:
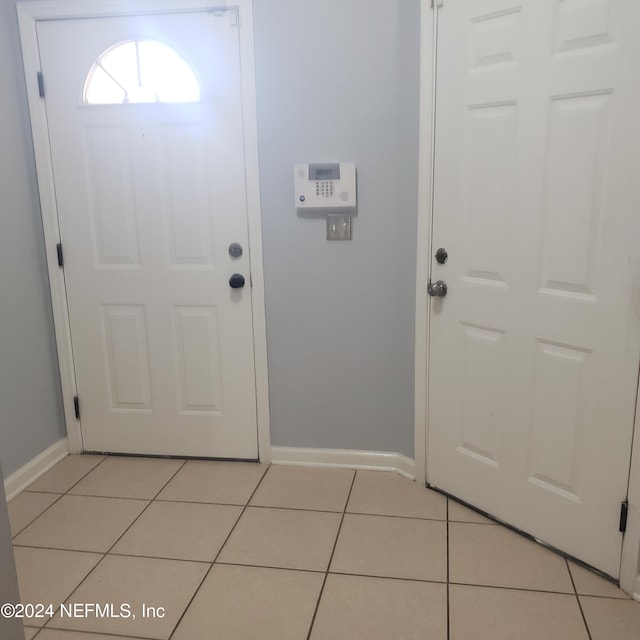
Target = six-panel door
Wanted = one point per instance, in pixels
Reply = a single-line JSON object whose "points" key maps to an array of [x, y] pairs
{"points": [[535, 348], [149, 198]]}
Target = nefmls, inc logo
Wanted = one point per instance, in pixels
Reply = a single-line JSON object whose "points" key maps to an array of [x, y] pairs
{"points": [[95, 610]]}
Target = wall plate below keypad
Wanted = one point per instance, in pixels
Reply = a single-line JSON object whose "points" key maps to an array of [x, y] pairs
{"points": [[338, 227]]}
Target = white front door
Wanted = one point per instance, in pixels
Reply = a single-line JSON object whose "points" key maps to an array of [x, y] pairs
{"points": [[534, 350], [149, 197]]}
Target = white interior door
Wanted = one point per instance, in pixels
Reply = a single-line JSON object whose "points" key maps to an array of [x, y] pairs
{"points": [[149, 198], [534, 351]]}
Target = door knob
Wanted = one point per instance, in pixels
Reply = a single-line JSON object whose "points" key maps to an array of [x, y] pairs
{"points": [[437, 289], [236, 281]]}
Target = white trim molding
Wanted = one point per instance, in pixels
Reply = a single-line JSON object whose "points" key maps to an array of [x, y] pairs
{"points": [[428, 33], [345, 458], [29, 14], [31, 471], [254, 215]]}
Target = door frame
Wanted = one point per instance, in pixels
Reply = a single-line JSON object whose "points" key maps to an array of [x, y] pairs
{"points": [[29, 14], [630, 557], [426, 153]]}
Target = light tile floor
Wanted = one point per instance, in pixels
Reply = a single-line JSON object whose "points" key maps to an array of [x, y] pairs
{"points": [[241, 551]]}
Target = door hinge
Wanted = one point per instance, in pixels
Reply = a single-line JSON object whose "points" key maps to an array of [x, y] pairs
{"points": [[41, 84], [624, 511], [60, 257], [437, 3], [76, 406]]}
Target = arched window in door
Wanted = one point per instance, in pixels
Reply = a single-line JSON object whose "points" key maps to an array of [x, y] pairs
{"points": [[139, 71]]}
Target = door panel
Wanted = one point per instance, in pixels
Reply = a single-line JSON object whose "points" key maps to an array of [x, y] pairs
{"points": [[111, 197], [125, 346], [534, 351], [197, 339], [149, 198]]}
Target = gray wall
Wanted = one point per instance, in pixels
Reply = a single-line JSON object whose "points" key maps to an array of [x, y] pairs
{"points": [[338, 80], [10, 628], [30, 399]]}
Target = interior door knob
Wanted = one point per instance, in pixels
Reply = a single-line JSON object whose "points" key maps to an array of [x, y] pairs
{"points": [[438, 289], [236, 281]]}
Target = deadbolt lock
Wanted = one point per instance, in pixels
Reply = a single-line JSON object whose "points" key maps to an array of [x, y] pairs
{"points": [[441, 255]]}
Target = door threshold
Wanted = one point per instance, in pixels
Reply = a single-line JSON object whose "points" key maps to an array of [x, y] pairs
{"points": [[526, 535], [166, 456]]}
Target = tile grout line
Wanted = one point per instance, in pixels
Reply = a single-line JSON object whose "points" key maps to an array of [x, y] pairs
{"points": [[97, 563], [333, 573], [85, 475], [89, 495], [337, 573], [59, 494], [333, 550], [212, 564], [105, 553], [506, 588], [150, 502], [351, 513], [575, 590], [92, 495], [255, 506]]}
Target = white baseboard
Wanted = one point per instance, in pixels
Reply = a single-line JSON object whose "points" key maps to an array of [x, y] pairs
{"points": [[31, 471], [347, 458]]}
